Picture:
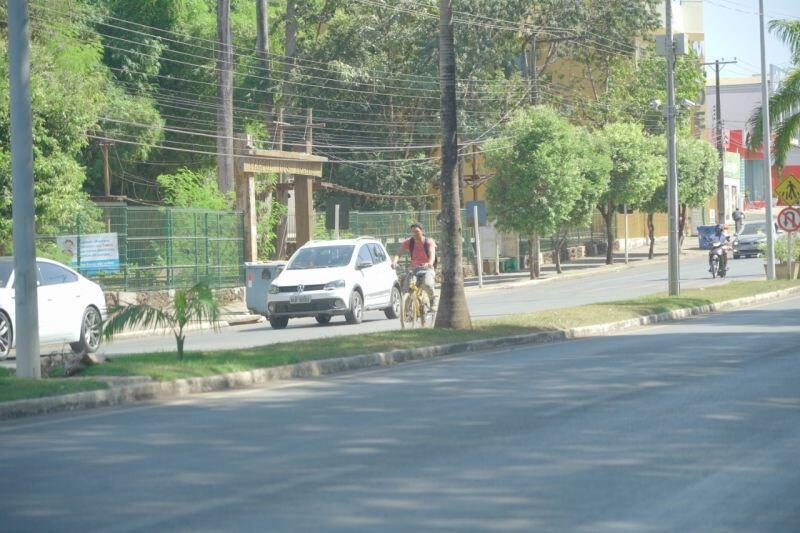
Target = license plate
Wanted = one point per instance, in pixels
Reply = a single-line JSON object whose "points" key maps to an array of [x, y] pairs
{"points": [[299, 299]]}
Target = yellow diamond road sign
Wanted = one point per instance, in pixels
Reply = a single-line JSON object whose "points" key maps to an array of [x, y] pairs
{"points": [[788, 190]]}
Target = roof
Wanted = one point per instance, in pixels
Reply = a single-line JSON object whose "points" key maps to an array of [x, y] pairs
{"points": [[338, 242]]}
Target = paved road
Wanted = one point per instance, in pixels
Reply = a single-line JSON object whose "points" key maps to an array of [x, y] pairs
{"points": [[628, 283], [658, 429]]}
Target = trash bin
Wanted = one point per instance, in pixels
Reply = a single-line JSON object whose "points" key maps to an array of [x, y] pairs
{"points": [[258, 279], [510, 265], [703, 232]]}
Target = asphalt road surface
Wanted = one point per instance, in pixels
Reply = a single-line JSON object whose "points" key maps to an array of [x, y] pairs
{"points": [[691, 426], [628, 283]]}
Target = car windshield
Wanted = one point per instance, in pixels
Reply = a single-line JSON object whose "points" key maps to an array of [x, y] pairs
{"points": [[321, 257], [755, 228], [6, 268]]}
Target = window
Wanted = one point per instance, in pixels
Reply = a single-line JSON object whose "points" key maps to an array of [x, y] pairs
{"points": [[6, 268], [50, 274], [321, 257], [363, 255], [378, 255]]}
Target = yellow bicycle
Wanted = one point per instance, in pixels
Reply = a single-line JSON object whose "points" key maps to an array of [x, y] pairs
{"points": [[415, 306]]}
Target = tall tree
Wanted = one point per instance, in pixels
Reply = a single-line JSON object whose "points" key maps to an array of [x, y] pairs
{"points": [[225, 96], [635, 172], [453, 310], [537, 178], [784, 104]]}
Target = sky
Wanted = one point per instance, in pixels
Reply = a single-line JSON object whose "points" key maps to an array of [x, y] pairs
{"points": [[732, 30]]}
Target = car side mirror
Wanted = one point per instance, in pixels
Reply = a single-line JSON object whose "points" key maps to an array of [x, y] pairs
{"points": [[363, 264]]}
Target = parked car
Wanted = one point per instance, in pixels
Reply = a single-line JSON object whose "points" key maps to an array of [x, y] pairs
{"points": [[340, 277], [751, 239], [71, 308]]}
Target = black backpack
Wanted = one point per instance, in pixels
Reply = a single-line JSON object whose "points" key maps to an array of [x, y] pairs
{"points": [[427, 243]]}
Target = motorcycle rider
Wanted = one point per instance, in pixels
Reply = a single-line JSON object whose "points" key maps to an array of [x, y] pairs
{"points": [[422, 250], [720, 236]]}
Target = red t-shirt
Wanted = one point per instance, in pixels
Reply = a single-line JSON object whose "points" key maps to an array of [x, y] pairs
{"points": [[419, 257]]}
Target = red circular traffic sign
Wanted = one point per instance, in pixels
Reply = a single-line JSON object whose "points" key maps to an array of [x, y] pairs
{"points": [[789, 219]]}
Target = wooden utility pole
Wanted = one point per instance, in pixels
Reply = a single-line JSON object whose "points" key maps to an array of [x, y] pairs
{"points": [[262, 48], [225, 97], [720, 142], [453, 311], [104, 144]]}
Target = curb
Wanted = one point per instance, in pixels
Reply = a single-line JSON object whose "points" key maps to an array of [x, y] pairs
{"points": [[149, 391]]}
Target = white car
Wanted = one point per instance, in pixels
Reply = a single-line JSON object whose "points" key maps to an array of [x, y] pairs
{"points": [[71, 308], [340, 277]]}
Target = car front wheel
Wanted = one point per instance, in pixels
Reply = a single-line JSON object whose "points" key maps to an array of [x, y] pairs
{"points": [[279, 322], [356, 312], [91, 329], [393, 311], [6, 336]]}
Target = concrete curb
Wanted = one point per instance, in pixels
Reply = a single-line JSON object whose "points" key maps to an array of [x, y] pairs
{"points": [[149, 391]]}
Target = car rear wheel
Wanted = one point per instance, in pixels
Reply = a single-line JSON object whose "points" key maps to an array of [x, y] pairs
{"points": [[278, 322], [91, 330], [356, 312], [323, 319], [393, 311], [6, 336]]}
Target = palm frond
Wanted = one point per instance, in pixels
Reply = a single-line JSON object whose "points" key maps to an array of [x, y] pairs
{"points": [[785, 101], [133, 317], [785, 132], [788, 31]]}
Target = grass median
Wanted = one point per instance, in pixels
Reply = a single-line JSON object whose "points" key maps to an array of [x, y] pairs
{"points": [[165, 366], [14, 388]]}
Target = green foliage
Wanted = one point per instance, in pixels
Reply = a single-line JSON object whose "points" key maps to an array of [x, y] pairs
{"points": [[188, 189], [636, 169], [538, 178], [196, 305], [785, 101], [781, 247]]}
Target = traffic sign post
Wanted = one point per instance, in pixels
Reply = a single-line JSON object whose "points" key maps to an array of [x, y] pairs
{"points": [[789, 220]]}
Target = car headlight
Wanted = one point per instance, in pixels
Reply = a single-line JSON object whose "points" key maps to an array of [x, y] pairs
{"points": [[274, 289], [338, 284]]}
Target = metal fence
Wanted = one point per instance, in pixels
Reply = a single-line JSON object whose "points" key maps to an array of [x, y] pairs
{"points": [[162, 248]]}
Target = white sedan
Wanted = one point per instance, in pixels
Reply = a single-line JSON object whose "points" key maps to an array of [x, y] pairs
{"points": [[71, 308]]}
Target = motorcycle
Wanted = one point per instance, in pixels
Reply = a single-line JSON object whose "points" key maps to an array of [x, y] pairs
{"points": [[715, 259]]}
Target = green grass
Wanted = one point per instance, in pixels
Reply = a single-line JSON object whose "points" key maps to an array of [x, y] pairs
{"points": [[14, 388], [165, 366]]}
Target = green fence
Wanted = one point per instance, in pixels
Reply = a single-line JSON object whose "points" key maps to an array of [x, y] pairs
{"points": [[163, 248]]}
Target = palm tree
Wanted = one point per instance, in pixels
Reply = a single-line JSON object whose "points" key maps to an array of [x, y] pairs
{"points": [[195, 305], [784, 104]]}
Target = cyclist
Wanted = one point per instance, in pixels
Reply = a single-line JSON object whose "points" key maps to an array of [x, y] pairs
{"points": [[422, 250]]}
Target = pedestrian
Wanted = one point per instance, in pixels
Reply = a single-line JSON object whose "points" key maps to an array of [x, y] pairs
{"points": [[738, 219]]}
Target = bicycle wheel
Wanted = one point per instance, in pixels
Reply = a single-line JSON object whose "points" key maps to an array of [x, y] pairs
{"points": [[407, 311]]}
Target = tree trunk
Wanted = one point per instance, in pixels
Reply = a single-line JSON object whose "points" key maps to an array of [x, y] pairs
{"points": [[608, 217], [453, 310], [681, 226], [537, 255], [180, 338], [225, 96], [531, 262], [556, 244], [651, 233], [262, 49]]}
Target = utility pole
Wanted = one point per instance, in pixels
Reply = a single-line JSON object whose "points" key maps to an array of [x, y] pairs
{"points": [[672, 166], [225, 95], [24, 233], [262, 47], [283, 191], [721, 215], [104, 145], [766, 146]]}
